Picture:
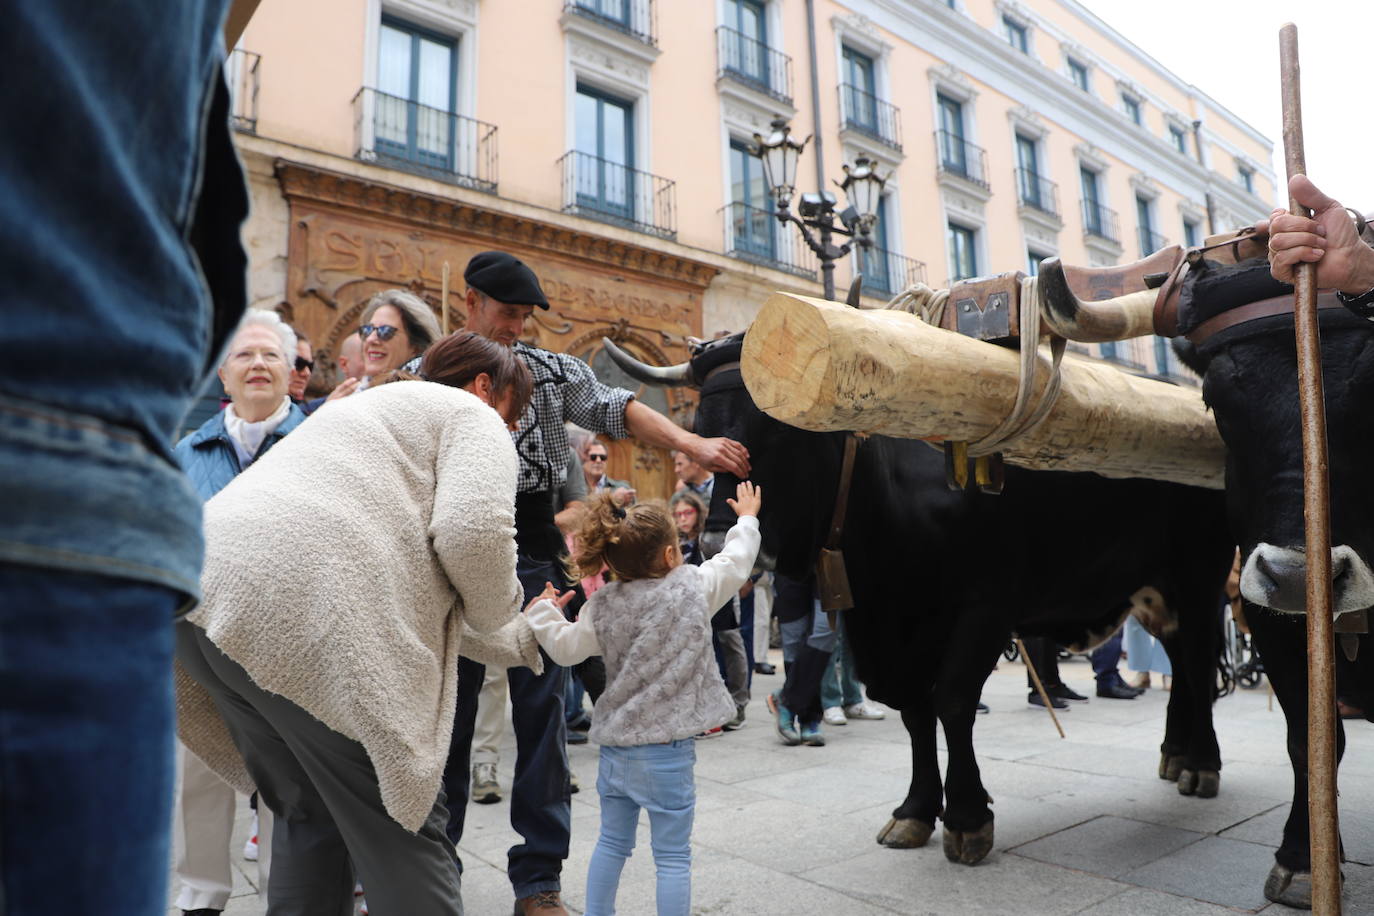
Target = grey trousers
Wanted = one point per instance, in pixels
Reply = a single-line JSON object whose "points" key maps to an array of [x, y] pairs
{"points": [[324, 792]]}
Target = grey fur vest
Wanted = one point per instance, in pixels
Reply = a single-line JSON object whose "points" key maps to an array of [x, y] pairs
{"points": [[662, 682]]}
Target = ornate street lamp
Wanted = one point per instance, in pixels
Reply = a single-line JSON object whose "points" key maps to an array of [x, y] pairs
{"points": [[862, 186]]}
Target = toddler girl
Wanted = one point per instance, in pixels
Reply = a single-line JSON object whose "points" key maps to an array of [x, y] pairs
{"points": [[652, 625]]}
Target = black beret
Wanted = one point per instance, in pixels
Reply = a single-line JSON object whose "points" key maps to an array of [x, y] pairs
{"points": [[505, 278]]}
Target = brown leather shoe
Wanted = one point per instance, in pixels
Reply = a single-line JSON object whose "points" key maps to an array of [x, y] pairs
{"points": [[541, 903]]}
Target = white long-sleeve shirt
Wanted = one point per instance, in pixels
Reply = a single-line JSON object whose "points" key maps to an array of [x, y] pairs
{"points": [[569, 642]]}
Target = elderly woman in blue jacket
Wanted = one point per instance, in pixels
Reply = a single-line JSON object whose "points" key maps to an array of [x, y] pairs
{"points": [[255, 373]]}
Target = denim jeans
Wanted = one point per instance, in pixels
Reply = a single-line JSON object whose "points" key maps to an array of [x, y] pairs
{"points": [[86, 751], [123, 273], [839, 686], [657, 778], [540, 796]]}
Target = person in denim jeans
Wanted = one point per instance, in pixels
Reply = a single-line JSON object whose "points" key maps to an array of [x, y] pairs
{"points": [[652, 625], [123, 275]]}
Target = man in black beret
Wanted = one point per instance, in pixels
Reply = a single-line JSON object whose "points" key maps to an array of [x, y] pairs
{"points": [[502, 294]]}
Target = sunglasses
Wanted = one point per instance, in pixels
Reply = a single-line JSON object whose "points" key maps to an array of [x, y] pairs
{"points": [[384, 332], [596, 457], [303, 364]]}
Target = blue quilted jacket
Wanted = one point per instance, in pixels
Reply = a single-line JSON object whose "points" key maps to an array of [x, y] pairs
{"points": [[208, 456]]}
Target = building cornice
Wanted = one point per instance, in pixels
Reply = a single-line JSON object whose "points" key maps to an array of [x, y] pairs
{"points": [[303, 182]]}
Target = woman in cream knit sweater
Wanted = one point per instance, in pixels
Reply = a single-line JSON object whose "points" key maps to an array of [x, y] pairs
{"points": [[344, 573]]}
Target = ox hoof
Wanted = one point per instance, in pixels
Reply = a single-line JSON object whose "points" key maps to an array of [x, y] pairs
{"points": [[1208, 783], [968, 848], [1187, 782], [907, 833], [1170, 767], [1291, 888]]}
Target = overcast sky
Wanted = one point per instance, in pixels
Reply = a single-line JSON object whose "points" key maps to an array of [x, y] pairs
{"points": [[1230, 50]]}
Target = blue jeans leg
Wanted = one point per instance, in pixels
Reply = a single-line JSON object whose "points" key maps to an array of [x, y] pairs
{"points": [[659, 779], [839, 686], [85, 707]]}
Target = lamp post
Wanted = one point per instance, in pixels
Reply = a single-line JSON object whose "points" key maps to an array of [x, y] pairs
{"points": [[779, 153]]}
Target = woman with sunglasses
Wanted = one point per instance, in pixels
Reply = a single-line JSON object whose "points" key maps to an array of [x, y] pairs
{"points": [[396, 327], [327, 679]]}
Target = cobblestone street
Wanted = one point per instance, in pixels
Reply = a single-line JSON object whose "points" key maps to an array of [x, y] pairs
{"points": [[1084, 826]]}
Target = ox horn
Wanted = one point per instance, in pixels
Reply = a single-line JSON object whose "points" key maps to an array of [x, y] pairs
{"points": [[661, 376], [1093, 321]]}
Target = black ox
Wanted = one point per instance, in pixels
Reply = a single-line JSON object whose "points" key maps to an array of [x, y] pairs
{"points": [[940, 580], [1249, 371]]}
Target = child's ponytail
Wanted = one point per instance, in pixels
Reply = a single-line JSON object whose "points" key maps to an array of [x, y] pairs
{"points": [[628, 541]]}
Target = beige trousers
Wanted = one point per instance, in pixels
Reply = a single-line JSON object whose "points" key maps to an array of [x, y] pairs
{"points": [[205, 811], [490, 727]]}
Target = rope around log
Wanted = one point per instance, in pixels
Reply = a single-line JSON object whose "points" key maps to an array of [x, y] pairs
{"points": [[1026, 413]]}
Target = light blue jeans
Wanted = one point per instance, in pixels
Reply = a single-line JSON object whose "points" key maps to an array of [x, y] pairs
{"points": [[657, 778]]}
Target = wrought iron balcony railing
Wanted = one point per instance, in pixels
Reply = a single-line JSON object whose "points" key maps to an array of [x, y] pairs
{"points": [[615, 193], [241, 73], [633, 17], [411, 137], [1150, 241], [754, 234], [956, 156], [886, 272], [1036, 192], [1101, 222], [866, 113], [754, 64]]}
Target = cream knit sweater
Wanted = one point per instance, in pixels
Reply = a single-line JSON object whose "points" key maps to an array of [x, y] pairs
{"points": [[342, 567]]}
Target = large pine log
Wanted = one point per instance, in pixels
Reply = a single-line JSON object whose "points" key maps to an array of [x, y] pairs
{"points": [[825, 366]]}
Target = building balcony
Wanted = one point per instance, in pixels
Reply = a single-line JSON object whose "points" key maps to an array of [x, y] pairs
{"points": [[632, 17], [956, 156], [1101, 222], [1037, 193], [241, 73], [754, 234], [753, 64], [1150, 241], [405, 135], [887, 273], [613, 193], [869, 115]]}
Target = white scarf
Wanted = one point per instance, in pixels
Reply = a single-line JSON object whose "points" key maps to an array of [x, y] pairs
{"points": [[247, 437]]}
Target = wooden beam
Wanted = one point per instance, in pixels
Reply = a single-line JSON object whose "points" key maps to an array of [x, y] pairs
{"points": [[824, 366]]}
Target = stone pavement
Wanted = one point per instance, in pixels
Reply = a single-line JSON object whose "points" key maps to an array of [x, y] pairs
{"points": [[1083, 824]]}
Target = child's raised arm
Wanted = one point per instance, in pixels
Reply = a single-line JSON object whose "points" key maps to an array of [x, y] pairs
{"points": [[728, 570]]}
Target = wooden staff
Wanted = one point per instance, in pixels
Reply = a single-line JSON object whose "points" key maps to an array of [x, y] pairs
{"points": [[1039, 687], [443, 300], [1321, 682]]}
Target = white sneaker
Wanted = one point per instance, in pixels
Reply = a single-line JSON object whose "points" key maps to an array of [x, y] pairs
{"points": [[250, 848], [864, 710], [834, 715]]}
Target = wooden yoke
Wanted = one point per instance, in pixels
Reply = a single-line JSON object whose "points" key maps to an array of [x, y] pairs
{"points": [[986, 308]]}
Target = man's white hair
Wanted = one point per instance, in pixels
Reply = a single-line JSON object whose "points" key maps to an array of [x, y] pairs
{"points": [[272, 321]]}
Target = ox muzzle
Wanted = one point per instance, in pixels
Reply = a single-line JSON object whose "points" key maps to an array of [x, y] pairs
{"points": [[1276, 577]]}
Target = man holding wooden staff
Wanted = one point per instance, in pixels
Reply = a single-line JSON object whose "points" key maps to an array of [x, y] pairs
{"points": [[1344, 261]]}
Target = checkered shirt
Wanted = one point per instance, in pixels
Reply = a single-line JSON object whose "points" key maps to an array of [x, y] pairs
{"points": [[565, 388]]}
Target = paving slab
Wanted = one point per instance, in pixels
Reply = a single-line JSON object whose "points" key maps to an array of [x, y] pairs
{"points": [[1357, 831], [1108, 846], [1142, 902], [921, 882], [1226, 872]]}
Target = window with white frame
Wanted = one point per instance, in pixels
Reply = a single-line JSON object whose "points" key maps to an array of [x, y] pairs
{"points": [[1245, 176], [1078, 73], [1178, 139], [417, 74], [1017, 34], [1131, 106], [963, 252]]}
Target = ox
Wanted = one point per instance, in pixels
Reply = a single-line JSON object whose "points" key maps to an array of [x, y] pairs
{"points": [[1249, 372], [940, 579]]}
